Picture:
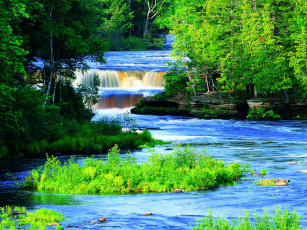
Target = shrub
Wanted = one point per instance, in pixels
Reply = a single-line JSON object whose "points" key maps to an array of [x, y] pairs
{"points": [[175, 81], [282, 220], [34, 220], [262, 113]]}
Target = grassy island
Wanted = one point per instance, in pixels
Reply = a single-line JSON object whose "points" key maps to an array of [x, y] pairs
{"points": [[181, 170]]}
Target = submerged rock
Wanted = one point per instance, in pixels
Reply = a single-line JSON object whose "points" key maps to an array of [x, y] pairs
{"points": [[273, 182], [53, 224], [147, 214], [102, 220], [178, 190]]}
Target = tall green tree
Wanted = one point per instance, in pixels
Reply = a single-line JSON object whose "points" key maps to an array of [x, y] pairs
{"points": [[12, 53], [66, 32], [298, 53], [240, 44], [116, 21]]}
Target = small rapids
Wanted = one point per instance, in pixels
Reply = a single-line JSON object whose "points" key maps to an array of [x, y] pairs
{"points": [[267, 145]]}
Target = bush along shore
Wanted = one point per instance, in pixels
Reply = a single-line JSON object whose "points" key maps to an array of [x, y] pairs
{"points": [[18, 217], [181, 170], [281, 220], [89, 138]]}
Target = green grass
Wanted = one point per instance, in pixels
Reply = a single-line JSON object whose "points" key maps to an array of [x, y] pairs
{"points": [[281, 220], [13, 218], [91, 143], [182, 169], [89, 138]]}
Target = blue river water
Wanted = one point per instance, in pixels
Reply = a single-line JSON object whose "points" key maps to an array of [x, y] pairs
{"points": [[267, 145]]}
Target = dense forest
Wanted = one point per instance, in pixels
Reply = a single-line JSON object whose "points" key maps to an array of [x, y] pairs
{"points": [[253, 46], [63, 34]]}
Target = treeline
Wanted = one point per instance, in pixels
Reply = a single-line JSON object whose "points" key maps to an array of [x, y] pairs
{"points": [[254, 46], [61, 35]]}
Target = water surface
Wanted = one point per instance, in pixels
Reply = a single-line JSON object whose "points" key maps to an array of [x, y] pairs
{"points": [[267, 145]]}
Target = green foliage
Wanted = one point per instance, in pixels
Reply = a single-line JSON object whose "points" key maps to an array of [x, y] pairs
{"points": [[88, 138], [175, 81], [12, 52], [209, 113], [116, 20], [282, 220], [34, 220], [264, 171], [240, 45], [182, 169], [262, 113], [91, 93], [59, 227]]}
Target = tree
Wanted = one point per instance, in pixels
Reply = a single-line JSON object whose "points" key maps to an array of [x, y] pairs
{"points": [[298, 53], [116, 21], [91, 92], [240, 44], [154, 7], [66, 32], [12, 53]]}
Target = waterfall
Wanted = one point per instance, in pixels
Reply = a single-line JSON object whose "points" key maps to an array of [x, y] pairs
{"points": [[121, 79]]}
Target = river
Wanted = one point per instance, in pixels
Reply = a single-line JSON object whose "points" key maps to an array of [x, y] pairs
{"points": [[267, 145]]}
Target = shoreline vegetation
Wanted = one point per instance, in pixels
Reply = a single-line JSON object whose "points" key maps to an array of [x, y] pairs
{"points": [[281, 220], [13, 218], [89, 138], [181, 170]]}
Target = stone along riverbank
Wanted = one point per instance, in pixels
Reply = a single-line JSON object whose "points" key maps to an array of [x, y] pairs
{"points": [[218, 105]]}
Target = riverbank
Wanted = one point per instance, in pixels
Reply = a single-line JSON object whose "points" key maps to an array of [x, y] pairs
{"points": [[220, 105], [89, 138]]}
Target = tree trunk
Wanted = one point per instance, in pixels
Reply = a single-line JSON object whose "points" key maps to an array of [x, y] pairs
{"points": [[60, 81], [146, 26], [255, 91], [207, 81], [51, 63], [213, 85], [208, 89], [54, 87], [44, 80], [286, 97]]}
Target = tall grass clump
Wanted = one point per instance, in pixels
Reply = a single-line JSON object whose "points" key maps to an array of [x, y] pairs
{"points": [[182, 169], [281, 220], [14, 217]]}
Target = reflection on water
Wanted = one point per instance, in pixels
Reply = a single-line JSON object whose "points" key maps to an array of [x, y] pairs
{"points": [[118, 101]]}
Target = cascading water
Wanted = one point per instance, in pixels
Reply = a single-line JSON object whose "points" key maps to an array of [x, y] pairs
{"points": [[121, 79]]}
